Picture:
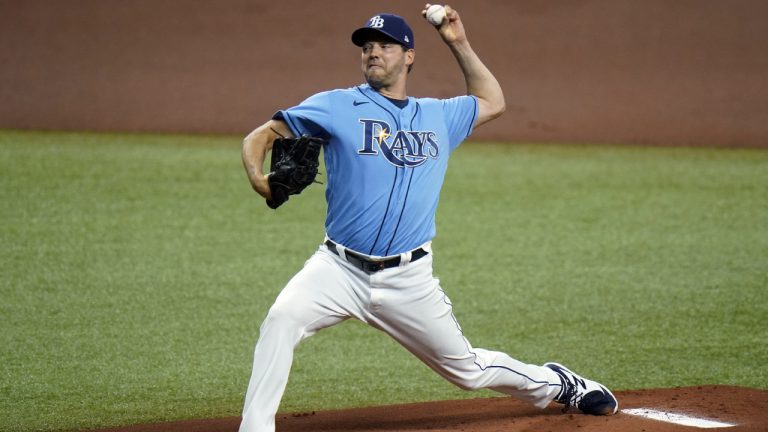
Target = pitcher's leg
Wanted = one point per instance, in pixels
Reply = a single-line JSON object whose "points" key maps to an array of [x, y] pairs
{"points": [[422, 320], [316, 298]]}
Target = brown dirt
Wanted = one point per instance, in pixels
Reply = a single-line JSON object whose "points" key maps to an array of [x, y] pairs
{"points": [[690, 72], [747, 408]]}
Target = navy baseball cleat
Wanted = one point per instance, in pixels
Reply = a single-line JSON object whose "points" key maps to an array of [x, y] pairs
{"points": [[588, 396]]}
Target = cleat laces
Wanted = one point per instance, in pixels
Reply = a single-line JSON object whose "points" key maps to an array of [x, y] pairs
{"points": [[570, 395]]}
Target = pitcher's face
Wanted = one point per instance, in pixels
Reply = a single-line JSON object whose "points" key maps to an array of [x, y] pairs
{"points": [[384, 62]]}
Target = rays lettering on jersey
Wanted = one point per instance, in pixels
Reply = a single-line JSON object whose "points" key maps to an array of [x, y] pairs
{"points": [[401, 148]]}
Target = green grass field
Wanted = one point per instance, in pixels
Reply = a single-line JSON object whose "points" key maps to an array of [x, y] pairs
{"points": [[136, 269]]}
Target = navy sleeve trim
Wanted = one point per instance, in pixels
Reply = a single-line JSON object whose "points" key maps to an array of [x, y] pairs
{"points": [[474, 116]]}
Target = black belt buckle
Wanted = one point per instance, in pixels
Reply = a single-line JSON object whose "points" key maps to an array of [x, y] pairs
{"points": [[380, 265], [368, 265]]}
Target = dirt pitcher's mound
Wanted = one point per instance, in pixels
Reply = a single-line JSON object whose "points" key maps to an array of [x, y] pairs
{"points": [[743, 408]]}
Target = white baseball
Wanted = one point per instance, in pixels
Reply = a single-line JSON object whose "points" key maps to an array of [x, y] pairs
{"points": [[435, 14]]}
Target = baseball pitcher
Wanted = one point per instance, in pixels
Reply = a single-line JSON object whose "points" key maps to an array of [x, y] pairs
{"points": [[386, 155]]}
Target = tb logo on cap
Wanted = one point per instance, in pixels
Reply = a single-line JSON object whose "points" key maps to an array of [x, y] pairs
{"points": [[376, 22]]}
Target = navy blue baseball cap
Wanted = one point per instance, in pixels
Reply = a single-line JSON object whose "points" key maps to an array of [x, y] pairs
{"points": [[390, 25]]}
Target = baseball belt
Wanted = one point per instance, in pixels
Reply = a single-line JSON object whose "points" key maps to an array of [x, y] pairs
{"points": [[373, 265]]}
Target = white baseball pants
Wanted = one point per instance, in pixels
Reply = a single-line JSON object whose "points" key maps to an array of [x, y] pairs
{"points": [[407, 303]]}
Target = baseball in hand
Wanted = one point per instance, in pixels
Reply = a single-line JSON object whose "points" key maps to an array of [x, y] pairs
{"points": [[435, 15]]}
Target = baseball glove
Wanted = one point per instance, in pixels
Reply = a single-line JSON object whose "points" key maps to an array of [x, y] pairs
{"points": [[293, 167]]}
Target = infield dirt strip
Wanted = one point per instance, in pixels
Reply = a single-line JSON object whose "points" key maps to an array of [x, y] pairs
{"points": [[744, 408]]}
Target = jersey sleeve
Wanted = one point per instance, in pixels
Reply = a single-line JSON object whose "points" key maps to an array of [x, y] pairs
{"points": [[309, 117], [460, 114]]}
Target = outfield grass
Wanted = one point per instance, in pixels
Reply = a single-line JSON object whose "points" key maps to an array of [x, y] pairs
{"points": [[136, 270]]}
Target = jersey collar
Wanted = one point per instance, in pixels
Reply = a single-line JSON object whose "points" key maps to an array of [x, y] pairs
{"points": [[379, 98]]}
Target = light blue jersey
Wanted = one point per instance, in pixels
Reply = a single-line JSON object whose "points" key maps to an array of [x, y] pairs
{"points": [[385, 165]]}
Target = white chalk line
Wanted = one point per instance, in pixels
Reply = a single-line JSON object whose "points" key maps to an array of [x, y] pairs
{"points": [[681, 419]]}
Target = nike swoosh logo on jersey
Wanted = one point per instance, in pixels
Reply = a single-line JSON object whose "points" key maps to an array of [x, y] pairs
{"points": [[356, 103]]}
